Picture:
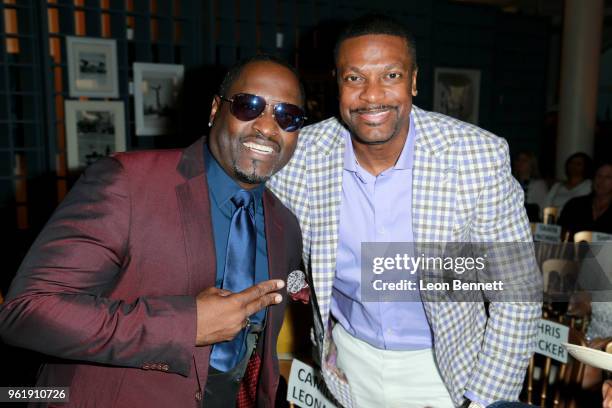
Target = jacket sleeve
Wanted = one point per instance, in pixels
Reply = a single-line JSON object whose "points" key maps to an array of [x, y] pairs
{"points": [[501, 221], [59, 301]]}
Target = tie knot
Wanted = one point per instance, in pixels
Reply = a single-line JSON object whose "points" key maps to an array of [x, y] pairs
{"points": [[242, 198]]}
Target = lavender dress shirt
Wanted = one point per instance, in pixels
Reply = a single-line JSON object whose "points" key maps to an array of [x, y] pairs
{"points": [[376, 209]]}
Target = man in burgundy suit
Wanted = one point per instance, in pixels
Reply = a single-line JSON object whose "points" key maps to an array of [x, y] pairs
{"points": [[125, 285]]}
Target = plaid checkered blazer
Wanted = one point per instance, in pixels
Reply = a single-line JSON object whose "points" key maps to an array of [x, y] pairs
{"points": [[463, 191]]}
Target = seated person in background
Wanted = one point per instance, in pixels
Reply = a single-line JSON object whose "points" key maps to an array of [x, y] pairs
{"points": [[525, 170], [578, 170], [591, 212]]}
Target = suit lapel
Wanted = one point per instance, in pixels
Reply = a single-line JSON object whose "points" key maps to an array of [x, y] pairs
{"points": [[194, 208], [325, 195], [274, 235], [278, 269], [434, 195], [434, 186], [277, 256]]}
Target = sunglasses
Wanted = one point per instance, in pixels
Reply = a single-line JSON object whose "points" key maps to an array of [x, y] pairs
{"points": [[246, 107]]}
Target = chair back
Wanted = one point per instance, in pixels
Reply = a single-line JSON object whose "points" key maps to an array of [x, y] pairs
{"points": [[582, 240], [586, 236], [550, 215]]}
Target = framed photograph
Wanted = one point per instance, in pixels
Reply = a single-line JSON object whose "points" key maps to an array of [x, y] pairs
{"points": [[156, 89], [457, 93], [92, 67], [93, 130]]}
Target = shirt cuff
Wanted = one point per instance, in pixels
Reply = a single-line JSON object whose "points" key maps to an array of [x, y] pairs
{"points": [[473, 397]]}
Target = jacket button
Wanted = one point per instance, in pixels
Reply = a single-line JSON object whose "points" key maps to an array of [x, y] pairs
{"points": [[198, 395]]}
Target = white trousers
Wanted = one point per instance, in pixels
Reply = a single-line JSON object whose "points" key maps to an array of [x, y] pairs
{"points": [[389, 378]]}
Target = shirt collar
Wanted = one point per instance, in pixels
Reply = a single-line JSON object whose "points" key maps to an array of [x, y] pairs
{"points": [[404, 161], [222, 186]]}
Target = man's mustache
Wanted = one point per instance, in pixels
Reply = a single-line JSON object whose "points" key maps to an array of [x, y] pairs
{"points": [[372, 109]]}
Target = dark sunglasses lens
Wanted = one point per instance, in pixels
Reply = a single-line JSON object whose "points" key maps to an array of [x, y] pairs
{"points": [[289, 117], [247, 107]]}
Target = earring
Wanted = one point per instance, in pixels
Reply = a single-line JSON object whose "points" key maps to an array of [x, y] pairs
{"points": [[210, 124]]}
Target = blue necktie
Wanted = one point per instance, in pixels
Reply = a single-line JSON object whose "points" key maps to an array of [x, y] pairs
{"points": [[238, 275]]}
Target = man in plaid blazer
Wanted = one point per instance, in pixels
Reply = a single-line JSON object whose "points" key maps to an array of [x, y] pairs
{"points": [[461, 190]]}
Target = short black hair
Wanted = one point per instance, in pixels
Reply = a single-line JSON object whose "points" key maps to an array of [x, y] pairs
{"points": [[235, 70], [372, 24], [588, 164]]}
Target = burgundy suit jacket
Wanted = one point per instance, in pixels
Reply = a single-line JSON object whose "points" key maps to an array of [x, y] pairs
{"points": [[109, 285]]}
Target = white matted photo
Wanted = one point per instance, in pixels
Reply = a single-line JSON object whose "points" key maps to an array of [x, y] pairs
{"points": [[93, 130], [92, 67], [156, 90], [457, 93]]}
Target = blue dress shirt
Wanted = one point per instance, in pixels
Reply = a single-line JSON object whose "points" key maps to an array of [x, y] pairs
{"points": [[221, 188]]}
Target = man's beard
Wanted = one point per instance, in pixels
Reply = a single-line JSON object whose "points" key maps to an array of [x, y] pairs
{"points": [[251, 177]]}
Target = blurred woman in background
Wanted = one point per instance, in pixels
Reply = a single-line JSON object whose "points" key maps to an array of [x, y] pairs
{"points": [[591, 212], [578, 170]]}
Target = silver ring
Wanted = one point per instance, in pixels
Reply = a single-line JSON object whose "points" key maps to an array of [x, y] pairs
{"points": [[248, 323]]}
